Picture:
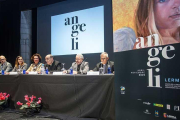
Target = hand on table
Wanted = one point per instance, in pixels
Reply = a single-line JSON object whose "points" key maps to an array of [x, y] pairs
{"points": [[75, 72], [65, 71]]}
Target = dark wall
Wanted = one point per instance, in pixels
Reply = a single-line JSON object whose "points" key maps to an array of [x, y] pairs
{"points": [[9, 29], [10, 15], [29, 4]]}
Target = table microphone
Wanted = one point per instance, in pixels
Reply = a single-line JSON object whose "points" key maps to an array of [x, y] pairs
{"points": [[85, 60], [101, 64]]}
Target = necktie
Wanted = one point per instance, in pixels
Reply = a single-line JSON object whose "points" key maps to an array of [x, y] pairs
{"points": [[104, 68]]}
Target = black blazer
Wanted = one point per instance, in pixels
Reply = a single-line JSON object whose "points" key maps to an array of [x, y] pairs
{"points": [[56, 66], [111, 63]]}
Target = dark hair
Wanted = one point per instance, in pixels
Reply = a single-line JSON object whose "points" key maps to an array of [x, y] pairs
{"points": [[50, 55], [38, 55]]}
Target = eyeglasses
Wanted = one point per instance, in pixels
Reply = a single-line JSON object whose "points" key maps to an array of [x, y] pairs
{"points": [[77, 59], [2, 59], [47, 59], [103, 58]]}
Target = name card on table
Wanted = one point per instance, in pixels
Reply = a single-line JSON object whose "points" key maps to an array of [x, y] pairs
{"points": [[93, 73], [57, 73], [33, 73], [13, 73]]}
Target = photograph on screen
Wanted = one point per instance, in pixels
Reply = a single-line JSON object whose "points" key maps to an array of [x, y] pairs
{"points": [[145, 23]]}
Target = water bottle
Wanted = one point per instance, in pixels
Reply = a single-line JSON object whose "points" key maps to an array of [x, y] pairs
{"points": [[109, 69], [42, 69], [101, 70], [71, 71], [2, 71], [24, 71], [47, 70]]}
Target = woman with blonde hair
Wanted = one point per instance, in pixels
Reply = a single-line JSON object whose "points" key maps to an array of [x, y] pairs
{"points": [[161, 17], [19, 65]]}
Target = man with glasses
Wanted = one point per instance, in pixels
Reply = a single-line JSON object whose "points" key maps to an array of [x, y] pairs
{"points": [[6, 66], [79, 66], [104, 63], [52, 64]]}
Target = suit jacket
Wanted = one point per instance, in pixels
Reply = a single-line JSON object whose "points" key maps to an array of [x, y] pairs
{"points": [[23, 67], [111, 63], [7, 67], [38, 68], [84, 67], [56, 66]]}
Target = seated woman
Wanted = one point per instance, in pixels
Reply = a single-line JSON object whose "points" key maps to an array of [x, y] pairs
{"points": [[19, 65], [36, 65]]}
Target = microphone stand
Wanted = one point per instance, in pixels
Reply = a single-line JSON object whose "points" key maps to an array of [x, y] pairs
{"points": [[101, 68]]}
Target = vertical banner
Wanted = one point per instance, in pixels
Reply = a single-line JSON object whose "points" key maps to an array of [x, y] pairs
{"points": [[147, 81]]}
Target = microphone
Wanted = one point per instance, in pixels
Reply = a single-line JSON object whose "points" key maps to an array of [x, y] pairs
{"points": [[101, 68], [85, 60], [101, 64]]}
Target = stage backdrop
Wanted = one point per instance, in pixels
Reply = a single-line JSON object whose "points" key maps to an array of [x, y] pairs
{"points": [[147, 85], [70, 27]]}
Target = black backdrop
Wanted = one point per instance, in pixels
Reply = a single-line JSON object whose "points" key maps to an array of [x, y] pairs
{"points": [[44, 28], [136, 101], [10, 11], [9, 29]]}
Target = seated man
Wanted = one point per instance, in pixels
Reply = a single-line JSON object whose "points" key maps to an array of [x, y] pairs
{"points": [[80, 66], [104, 63], [52, 64], [6, 66]]}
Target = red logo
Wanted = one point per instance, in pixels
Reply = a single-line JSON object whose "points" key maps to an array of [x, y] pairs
{"points": [[165, 115]]}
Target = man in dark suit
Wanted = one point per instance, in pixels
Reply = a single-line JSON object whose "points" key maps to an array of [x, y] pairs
{"points": [[104, 63], [52, 64], [80, 66], [6, 66]]}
